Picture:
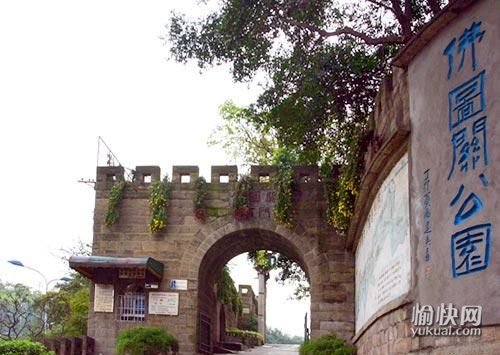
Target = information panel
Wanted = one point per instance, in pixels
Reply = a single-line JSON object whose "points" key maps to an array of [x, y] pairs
{"points": [[176, 284], [104, 298], [164, 303], [383, 254]]}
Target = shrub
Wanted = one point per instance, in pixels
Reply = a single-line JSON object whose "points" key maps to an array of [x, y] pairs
{"points": [[247, 337], [327, 345], [23, 347], [146, 341]]}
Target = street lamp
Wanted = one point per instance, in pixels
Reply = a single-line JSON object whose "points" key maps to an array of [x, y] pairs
{"points": [[47, 283]]}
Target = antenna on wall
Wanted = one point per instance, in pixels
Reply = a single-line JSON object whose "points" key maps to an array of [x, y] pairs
{"points": [[110, 157], [105, 154]]}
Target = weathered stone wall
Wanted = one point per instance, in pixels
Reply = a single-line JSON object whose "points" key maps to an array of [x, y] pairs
{"points": [[418, 96], [455, 163], [248, 302], [197, 251], [392, 334]]}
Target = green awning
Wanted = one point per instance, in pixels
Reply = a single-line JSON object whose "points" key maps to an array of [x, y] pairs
{"points": [[90, 266]]}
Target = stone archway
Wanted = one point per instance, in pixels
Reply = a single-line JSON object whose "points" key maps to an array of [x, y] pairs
{"points": [[219, 242]]}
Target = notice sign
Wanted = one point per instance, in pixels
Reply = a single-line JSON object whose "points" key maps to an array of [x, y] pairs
{"points": [[103, 298], [179, 284], [165, 303]]}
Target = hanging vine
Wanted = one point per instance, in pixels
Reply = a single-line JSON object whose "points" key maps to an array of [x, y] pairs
{"points": [[283, 207], [227, 292], [342, 183], [200, 205], [241, 205], [158, 202], [115, 197]]}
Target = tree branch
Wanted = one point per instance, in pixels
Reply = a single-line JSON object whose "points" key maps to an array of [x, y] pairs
{"points": [[352, 32], [381, 4], [435, 6], [408, 11]]}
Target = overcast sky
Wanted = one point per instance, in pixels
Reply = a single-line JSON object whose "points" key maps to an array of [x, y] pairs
{"points": [[71, 71]]}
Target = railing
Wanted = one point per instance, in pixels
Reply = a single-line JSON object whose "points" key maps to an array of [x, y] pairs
{"points": [[131, 307], [83, 345]]}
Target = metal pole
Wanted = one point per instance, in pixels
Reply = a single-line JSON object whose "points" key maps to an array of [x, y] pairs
{"points": [[306, 329], [44, 315]]}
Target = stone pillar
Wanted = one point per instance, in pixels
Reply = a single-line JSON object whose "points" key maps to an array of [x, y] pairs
{"points": [[261, 314]]}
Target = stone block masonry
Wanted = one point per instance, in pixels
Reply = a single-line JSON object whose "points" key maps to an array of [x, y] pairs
{"points": [[196, 252]]}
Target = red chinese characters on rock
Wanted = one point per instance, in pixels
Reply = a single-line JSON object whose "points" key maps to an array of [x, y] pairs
{"points": [[261, 204]]}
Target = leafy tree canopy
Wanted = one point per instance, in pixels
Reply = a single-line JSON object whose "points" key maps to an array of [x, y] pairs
{"points": [[323, 60], [322, 63], [18, 317], [288, 270], [66, 307], [276, 336], [243, 141]]}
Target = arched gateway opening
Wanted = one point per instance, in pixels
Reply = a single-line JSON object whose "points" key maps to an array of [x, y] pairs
{"points": [[223, 250], [328, 268]]}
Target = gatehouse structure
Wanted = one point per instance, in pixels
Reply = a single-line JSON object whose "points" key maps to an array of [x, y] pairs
{"points": [[131, 268], [421, 254]]}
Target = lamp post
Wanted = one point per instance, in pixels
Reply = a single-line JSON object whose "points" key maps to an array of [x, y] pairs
{"points": [[47, 283]]}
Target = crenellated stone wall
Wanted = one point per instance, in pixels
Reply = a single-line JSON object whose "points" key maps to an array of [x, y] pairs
{"points": [[196, 252]]}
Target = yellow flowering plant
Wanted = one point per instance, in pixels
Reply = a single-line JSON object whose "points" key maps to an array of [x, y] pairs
{"points": [[158, 202]]}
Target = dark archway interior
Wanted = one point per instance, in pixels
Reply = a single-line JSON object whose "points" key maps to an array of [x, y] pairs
{"points": [[224, 250]]}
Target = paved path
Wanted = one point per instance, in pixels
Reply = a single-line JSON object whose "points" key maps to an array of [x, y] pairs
{"points": [[273, 349]]}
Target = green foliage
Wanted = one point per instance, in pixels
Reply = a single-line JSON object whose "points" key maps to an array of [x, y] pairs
{"points": [[276, 336], [342, 182], [327, 345], [67, 308], [246, 335], [159, 193], [115, 197], [19, 317], [283, 207], [75, 323], [263, 261], [75, 294], [23, 347], [253, 324], [289, 271], [57, 308], [322, 63], [241, 205], [146, 341], [227, 292], [243, 140], [315, 95], [200, 205]]}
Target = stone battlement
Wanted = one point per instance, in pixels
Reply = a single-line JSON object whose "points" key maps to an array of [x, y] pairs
{"points": [[187, 175]]}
